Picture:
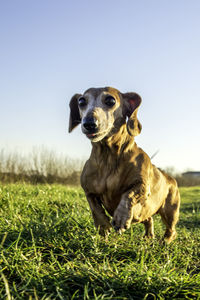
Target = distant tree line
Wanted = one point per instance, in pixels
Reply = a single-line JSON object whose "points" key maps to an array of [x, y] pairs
{"points": [[45, 166], [39, 166]]}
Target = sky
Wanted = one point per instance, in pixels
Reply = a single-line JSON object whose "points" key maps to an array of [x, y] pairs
{"points": [[50, 50]]}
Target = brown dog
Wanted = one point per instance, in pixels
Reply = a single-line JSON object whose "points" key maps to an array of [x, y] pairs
{"points": [[119, 177]]}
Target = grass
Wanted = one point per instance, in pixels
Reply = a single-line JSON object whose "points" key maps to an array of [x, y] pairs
{"points": [[49, 249]]}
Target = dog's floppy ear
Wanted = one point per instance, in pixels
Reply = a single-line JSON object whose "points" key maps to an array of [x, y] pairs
{"points": [[74, 118], [131, 103]]}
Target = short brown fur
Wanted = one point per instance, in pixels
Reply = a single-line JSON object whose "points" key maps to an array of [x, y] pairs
{"points": [[119, 177]]}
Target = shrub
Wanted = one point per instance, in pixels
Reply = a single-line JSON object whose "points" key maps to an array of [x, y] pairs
{"points": [[39, 166]]}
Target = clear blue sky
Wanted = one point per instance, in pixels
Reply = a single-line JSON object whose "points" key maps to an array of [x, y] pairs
{"points": [[50, 50]]}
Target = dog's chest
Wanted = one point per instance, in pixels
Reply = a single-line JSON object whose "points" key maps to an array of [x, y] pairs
{"points": [[108, 188], [104, 181]]}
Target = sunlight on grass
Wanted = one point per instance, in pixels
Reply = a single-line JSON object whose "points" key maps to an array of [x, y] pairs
{"points": [[49, 249]]}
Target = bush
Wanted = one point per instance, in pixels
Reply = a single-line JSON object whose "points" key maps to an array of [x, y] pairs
{"points": [[183, 180], [39, 166], [187, 180], [45, 166]]}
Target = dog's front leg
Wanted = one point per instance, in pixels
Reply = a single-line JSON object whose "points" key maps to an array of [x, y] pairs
{"points": [[101, 220], [129, 209]]}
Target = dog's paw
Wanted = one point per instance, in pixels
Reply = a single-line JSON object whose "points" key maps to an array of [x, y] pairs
{"points": [[104, 230], [169, 236], [117, 228], [121, 220]]}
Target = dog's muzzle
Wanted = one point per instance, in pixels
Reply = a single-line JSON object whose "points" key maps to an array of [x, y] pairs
{"points": [[90, 126]]}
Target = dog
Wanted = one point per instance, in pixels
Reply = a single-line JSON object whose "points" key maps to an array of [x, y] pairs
{"points": [[119, 178]]}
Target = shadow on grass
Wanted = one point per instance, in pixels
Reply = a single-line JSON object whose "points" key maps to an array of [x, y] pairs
{"points": [[190, 215], [190, 207], [191, 223], [72, 241], [90, 286], [135, 287]]}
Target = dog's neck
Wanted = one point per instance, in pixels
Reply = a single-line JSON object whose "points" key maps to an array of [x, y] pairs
{"points": [[120, 143]]}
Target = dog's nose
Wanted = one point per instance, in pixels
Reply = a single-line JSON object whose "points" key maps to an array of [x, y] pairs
{"points": [[90, 124]]}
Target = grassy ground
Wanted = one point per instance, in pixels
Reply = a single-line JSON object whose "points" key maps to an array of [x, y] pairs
{"points": [[49, 249]]}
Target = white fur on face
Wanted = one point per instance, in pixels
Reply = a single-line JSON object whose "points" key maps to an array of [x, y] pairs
{"points": [[103, 114], [93, 103]]}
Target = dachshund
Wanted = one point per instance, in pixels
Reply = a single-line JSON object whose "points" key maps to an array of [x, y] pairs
{"points": [[119, 179]]}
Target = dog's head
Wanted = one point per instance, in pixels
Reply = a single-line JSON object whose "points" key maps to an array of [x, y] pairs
{"points": [[102, 111]]}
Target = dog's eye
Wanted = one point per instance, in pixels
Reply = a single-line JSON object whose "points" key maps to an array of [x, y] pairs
{"points": [[110, 101], [82, 102]]}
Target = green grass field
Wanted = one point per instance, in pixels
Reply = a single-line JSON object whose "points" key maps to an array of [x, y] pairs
{"points": [[49, 249]]}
